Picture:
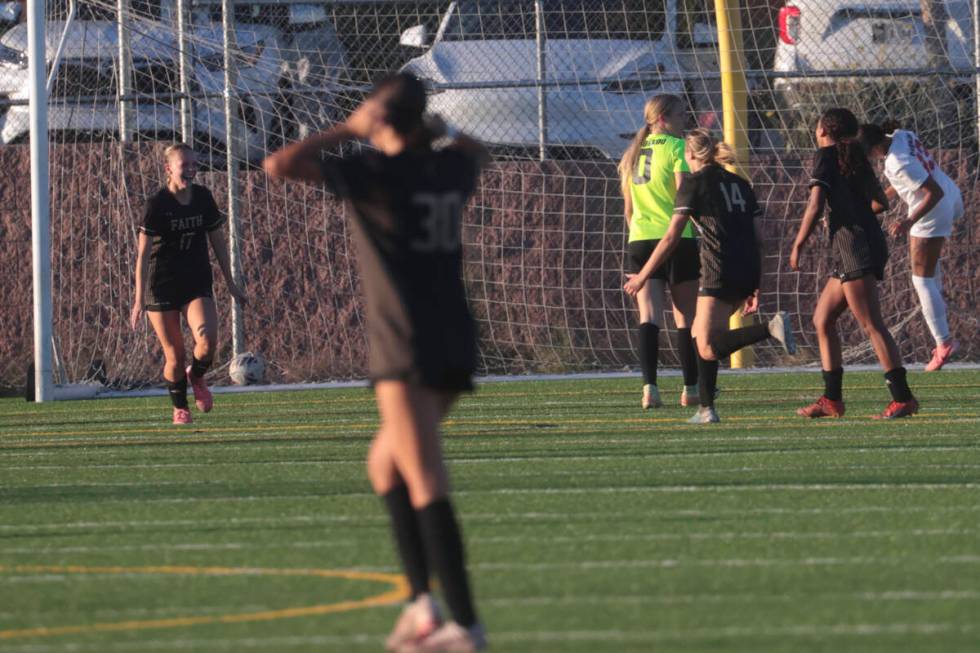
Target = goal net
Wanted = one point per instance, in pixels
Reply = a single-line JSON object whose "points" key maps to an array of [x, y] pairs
{"points": [[555, 88]]}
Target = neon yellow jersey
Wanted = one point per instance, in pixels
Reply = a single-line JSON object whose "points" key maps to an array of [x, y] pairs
{"points": [[653, 187]]}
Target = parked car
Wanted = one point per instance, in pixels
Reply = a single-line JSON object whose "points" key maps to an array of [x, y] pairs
{"points": [[830, 36], [314, 61], [601, 67], [83, 98]]}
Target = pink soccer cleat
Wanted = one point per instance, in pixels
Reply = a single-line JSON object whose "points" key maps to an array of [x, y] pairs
{"points": [[941, 355], [202, 396], [182, 416], [418, 620], [451, 637]]}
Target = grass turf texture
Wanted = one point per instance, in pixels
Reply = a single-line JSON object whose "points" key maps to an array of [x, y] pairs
{"points": [[591, 525]]}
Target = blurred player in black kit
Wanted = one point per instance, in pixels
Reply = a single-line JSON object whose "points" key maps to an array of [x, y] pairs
{"points": [[173, 277], [406, 200]]}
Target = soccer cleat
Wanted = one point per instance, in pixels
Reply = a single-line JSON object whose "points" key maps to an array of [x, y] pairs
{"points": [[651, 397], [691, 396], [781, 329], [941, 355], [705, 415], [202, 395], [182, 416], [898, 409], [418, 620], [822, 407], [450, 638]]}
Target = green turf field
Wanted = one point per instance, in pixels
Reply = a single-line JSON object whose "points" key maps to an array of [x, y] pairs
{"points": [[591, 525]]}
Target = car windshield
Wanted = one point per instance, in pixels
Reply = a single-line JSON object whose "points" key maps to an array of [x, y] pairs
{"points": [[483, 20]]}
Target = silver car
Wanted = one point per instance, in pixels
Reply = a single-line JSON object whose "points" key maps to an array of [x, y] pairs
{"points": [[601, 65], [83, 99]]}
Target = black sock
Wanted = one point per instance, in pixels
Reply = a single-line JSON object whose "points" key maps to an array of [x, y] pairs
{"points": [[898, 385], [199, 368], [707, 380], [649, 335], [408, 539], [178, 392], [444, 545], [728, 342], [689, 359], [833, 383]]}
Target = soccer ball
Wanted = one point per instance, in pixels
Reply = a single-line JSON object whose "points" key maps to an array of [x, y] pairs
{"points": [[247, 369]]}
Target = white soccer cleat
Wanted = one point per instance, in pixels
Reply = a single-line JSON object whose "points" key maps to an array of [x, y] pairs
{"points": [[691, 396], [705, 415], [450, 638], [781, 329], [418, 620], [651, 397]]}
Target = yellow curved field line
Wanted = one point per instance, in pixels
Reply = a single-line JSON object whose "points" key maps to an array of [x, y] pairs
{"points": [[398, 592]]}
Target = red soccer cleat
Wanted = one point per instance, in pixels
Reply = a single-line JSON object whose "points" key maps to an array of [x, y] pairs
{"points": [[202, 395], [898, 409], [822, 407]]}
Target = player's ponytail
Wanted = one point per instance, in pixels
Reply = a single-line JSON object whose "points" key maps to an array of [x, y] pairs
{"points": [[628, 163], [656, 108], [842, 127], [871, 136], [704, 147]]}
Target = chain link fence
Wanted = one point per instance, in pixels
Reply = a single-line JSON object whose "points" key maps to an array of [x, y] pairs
{"points": [[555, 88]]}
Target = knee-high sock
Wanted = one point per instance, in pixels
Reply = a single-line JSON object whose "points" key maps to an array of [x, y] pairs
{"points": [[707, 380], [408, 539], [689, 360], [178, 391], [199, 368], [649, 336], [731, 341], [444, 545], [930, 292]]}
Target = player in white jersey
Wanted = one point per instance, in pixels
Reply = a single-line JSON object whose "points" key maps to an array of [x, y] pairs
{"points": [[934, 203]]}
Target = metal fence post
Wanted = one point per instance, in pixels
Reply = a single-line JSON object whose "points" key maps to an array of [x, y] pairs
{"points": [[124, 83], [542, 75], [233, 154], [184, 64]]}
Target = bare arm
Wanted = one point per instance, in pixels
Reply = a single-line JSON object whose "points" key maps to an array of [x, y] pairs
{"points": [[301, 160], [219, 245], [933, 195], [664, 249], [814, 209], [679, 178], [142, 276]]}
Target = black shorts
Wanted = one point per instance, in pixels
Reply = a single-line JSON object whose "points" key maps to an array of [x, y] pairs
{"points": [[683, 265], [167, 299], [733, 295], [438, 357], [859, 252]]}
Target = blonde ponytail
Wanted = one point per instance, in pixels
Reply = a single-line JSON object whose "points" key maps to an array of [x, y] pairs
{"points": [[656, 108], [628, 163], [705, 148]]}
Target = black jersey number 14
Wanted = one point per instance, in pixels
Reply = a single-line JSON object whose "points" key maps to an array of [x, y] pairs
{"points": [[733, 197], [440, 221]]}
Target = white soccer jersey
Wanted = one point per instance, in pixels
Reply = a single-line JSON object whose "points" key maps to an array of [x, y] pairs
{"points": [[908, 166]]}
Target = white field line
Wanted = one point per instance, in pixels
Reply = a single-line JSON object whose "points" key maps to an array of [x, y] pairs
{"points": [[502, 459], [652, 470], [803, 631], [565, 600], [586, 376], [725, 536], [714, 488], [327, 520]]}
